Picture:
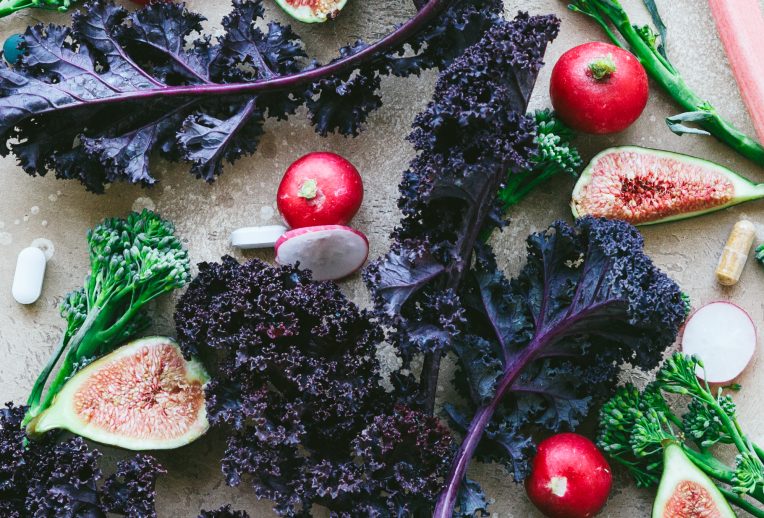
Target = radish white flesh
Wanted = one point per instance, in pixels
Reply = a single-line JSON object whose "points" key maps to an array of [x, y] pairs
{"points": [[257, 237], [723, 336], [330, 251]]}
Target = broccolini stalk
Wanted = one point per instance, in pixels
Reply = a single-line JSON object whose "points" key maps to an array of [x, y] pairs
{"points": [[556, 155], [132, 262], [643, 43], [635, 425], [8, 7]]}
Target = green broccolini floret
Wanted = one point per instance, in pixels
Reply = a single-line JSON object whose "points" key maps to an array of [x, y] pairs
{"points": [[636, 425], [555, 155], [132, 262]]}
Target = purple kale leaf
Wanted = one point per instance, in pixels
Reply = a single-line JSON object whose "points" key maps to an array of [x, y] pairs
{"points": [[296, 381], [472, 132], [224, 512], [130, 491], [407, 455], [587, 302], [94, 102], [61, 479]]}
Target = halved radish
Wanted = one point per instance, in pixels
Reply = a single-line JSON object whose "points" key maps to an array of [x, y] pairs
{"points": [[723, 336], [330, 251]]}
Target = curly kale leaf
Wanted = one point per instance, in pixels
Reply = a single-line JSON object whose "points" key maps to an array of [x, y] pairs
{"points": [[224, 512], [51, 479], [472, 132], [587, 302], [94, 101], [296, 382]]}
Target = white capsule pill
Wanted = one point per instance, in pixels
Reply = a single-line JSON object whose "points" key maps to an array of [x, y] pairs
{"points": [[257, 237], [30, 272]]}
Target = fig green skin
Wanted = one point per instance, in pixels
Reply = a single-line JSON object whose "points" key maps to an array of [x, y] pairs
{"points": [[745, 190], [677, 468], [61, 414], [306, 15]]}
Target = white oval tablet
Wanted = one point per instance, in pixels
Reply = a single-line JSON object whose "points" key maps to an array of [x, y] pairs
{"points": [[257, 237], [28, 279]]}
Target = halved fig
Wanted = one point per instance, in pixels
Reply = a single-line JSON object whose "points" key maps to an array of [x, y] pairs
{"points": [[685, 491], [143, 396], [646, 186], [312, 11]]}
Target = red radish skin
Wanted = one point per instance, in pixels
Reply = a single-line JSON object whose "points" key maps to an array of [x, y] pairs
{"points": [[741, 28], [331, 252], [569, 478], [723, 335], [598, 88], [320, 189]]}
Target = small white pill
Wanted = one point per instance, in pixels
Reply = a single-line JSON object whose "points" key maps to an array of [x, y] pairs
{"points": [[257, 237], [30, 272]]}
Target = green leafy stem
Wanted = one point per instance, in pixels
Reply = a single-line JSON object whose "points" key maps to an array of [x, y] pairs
{"points": [[8, 7]]}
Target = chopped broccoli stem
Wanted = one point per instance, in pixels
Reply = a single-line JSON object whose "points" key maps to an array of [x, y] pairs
{"points": [[642, 41]]}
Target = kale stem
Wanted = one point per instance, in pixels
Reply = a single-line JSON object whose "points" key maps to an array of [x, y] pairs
{"points": [[444, 508], [472, 227]]}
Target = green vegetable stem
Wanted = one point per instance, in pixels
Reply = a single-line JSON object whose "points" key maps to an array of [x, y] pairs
{"points": [[556, 155], [644, 44], [8, 7], [635, 424], [133, 261]]}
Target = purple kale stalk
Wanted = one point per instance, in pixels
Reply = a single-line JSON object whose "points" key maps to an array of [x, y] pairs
{"points": [[49, 478], [94, 101], [296, 382]]}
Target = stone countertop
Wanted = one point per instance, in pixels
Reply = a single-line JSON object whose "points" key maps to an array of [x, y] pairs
{"points": [[245, 195]]}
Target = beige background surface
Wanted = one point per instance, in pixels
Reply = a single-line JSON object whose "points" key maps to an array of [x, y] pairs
{"points": [[62, 212]]}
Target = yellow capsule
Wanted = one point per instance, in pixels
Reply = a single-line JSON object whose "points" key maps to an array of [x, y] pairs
{"points": [[735, 253]]}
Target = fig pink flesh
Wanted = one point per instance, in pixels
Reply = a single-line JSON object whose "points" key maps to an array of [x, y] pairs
{"points": [[691, 500], [640, 188], [142, 396], [315, 5]]}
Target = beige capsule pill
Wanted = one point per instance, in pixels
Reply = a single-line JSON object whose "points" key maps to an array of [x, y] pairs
{"points": [[735, 253]]}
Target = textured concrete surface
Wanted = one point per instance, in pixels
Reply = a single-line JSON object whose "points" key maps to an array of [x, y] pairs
{"points": [[32, 208]]}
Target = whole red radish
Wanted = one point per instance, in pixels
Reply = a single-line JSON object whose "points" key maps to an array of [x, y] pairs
{"points": [[598, 88], [569, 478], [320, 189]]}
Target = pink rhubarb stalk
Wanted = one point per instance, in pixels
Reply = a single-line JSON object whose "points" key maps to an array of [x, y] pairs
{"points": [[741, 28]]}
